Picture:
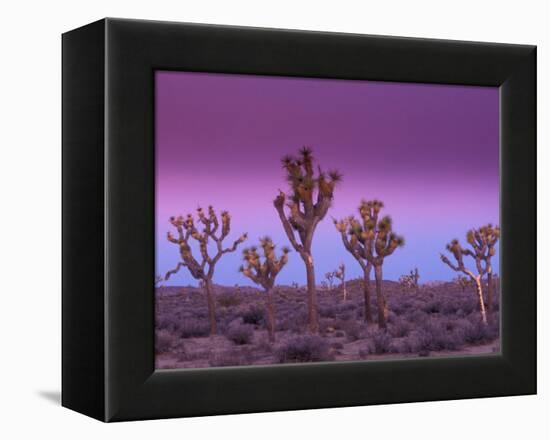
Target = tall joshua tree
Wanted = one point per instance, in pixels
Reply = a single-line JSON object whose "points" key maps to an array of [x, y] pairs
{"points": [[264, 273], [212, 232], [459, 252], [370, 240], [483, 241], [301, 211]]}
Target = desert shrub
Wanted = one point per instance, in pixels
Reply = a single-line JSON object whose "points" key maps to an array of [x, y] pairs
{"points": [[303, 349], [443, 335], [167, 322], [469, 305], [254, 315], [228, 358], [185, 314], [196, 355], [433, 306], [264, 345], [348, 306], [200, 312], [479, 333], [240, 334], [352, 330], [337, 345], [194, 328], [400, 328], [163, 341], [326, 326], [418, 340], [392, 317], [417, 318], [291, 321], [399, 305], [381, 340], [327, 311], [228, 299], [398, 346], [450, 307]]}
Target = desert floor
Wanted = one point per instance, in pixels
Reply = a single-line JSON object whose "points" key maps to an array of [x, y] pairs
{"points": [[437, 319]]}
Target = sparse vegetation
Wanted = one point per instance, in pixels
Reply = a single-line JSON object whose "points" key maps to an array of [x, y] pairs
{"points": [[437, 319], [304, 349]]}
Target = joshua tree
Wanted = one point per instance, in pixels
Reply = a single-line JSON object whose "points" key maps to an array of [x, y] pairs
{"points": [[341, 275], [356, 247], [330, 278], [410, 281], [213, 232], [306, 205], [264, 273], [370, 241], [459, 252], [158, 281], [483, 241]]}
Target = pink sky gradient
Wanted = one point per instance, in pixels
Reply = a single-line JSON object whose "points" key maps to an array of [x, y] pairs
{"points": [[430, 152]]}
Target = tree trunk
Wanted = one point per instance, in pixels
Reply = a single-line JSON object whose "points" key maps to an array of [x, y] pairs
{"points": [[380, 300], [481, 302], [270, 316], [311, 296], [211, 306], [366, 293], [489, 291]]}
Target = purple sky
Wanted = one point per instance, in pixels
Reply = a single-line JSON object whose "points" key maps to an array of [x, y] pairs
{"points": [[430, 152]]}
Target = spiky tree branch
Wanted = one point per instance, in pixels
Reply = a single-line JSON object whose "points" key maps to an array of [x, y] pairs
{"points": [[214, 231], [300, 212], [263, 270]]}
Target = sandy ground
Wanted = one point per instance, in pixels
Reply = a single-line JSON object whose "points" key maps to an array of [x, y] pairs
{"points": [[205, 347]]}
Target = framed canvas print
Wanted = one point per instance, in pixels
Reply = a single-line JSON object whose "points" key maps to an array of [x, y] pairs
{"points": [[260, 220]]}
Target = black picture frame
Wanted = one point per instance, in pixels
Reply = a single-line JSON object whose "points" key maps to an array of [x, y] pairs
{"points": [[108, 219]]}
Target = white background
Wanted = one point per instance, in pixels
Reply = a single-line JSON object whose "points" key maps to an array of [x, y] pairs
{"points": [[30, 217]]}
